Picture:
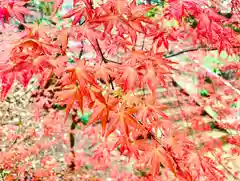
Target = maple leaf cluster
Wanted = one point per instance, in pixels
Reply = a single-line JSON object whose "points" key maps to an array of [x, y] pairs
{"points": [[112, 81]]}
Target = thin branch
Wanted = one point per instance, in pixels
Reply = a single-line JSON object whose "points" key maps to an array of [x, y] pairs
{"points": [[91, 4], [192, 50], [105, 61], [189, 50], [143, 43], [165, 56], [81, 51], [72, 138], [101, 53], [16, 142]]}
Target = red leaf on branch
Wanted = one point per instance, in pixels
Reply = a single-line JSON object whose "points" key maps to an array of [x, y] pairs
{"points": [[154, 156], [70, 94], [123, 120], [101, 112]]}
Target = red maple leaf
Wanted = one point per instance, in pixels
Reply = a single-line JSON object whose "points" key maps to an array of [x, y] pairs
{"points": [[155, 155], [101, 112], [123, 120]]}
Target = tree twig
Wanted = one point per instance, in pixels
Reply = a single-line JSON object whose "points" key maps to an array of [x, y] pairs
{"points": [[105, 61], [188, 50], [72, 139], [192, 50]]}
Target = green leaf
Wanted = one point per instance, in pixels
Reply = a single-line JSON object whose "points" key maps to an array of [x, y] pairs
{"points": [[71, 61], [217, 71], [234, 105], [152, 12], [204, 93], [85, 118], [4, 173]]}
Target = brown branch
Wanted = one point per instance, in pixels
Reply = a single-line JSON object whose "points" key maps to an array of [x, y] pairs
{"points": [[192, 50], [73, 139], [101, 53], [105, 61], [189, 50], [15, 142], [165, 56], [91, 4]]}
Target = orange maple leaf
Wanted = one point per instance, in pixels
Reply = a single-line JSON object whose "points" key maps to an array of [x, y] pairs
{"points": [[70, 94], [122, 119], [101, 112]]}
